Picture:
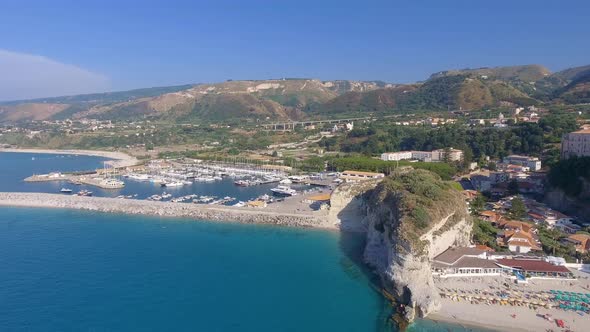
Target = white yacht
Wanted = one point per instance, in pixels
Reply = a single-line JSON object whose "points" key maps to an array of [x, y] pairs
{"points": [[139, 177], [66, 190], [172, 184], [112, 184], [283, 191]]}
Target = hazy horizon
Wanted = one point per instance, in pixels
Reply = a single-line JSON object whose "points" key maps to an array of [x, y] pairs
{"points": [[72, 48]]}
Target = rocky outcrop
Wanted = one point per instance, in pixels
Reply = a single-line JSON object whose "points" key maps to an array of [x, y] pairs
{"points": [[409, 218], [406, 272]]}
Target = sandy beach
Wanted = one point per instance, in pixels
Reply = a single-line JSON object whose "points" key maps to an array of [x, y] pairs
{"points": [[506, 317], [120, 159]]}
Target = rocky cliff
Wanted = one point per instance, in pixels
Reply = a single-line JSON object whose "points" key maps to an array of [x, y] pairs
{"points": [[578, 206], [409, 217]]}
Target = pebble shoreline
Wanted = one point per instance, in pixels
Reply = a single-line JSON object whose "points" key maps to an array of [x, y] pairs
{"points": [[164, 209]]}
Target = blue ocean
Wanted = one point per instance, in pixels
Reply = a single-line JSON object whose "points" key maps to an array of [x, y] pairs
{"points": [[67, 270]]}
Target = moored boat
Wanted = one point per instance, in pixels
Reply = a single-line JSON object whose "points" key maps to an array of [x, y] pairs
{"points": [[283, 191]]}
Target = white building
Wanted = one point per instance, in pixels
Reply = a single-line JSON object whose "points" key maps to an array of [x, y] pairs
{"points": [[451, 155], [427, 156], [395, 156], [422, 155], [533, 163], [576, 143]]}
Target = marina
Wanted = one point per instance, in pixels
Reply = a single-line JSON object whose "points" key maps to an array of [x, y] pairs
{"points": [[181, 181]]}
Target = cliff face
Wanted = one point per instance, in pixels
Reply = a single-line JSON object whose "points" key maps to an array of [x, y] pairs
{"points": [[409, 218], [578, 206]]}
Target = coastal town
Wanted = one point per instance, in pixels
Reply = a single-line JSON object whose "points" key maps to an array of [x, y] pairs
{"points": [[524, 254], [265, 166]]}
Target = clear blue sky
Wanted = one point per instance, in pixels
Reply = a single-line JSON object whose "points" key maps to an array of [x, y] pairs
{"points": [[131, 44]]}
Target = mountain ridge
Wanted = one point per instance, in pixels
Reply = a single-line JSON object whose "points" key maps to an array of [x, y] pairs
{"points": [[297, 98]]}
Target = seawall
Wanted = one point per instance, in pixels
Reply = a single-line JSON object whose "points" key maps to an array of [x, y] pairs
{"points": [[164, 209]]}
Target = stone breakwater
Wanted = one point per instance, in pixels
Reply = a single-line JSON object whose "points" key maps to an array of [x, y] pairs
{"points": [[164, 209]]}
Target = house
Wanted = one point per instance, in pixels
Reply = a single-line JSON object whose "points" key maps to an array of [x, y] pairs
{"points": [[519, 241], [567, 227], [355, 176], [513, 225], [518, 236], [580, 241], [490, 216], [553, 217]]}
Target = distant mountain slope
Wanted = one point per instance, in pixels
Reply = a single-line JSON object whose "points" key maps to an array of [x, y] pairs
{"points": [[567, 86], [578, 90], [30, 112], [280, 99], [441, 93], [67, 106], [466, 89], [525, 73], [380, 100], [104, 97], [572, 74]]}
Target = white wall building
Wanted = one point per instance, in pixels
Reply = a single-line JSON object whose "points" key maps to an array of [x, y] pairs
{"points": [[395, 156], [576, 143], [435, 155], [533, 163]]}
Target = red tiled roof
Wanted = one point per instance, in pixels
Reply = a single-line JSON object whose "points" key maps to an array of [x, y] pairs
{"points": [[483, 247], [532, 265]]}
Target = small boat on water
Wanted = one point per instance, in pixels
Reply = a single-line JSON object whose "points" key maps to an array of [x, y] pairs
{"points": [[66, 190], [285, 181], [242, 183], [84, 192]]}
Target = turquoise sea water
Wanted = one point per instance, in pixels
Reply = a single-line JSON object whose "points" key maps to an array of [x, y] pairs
{"points": [[67, 270]]}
